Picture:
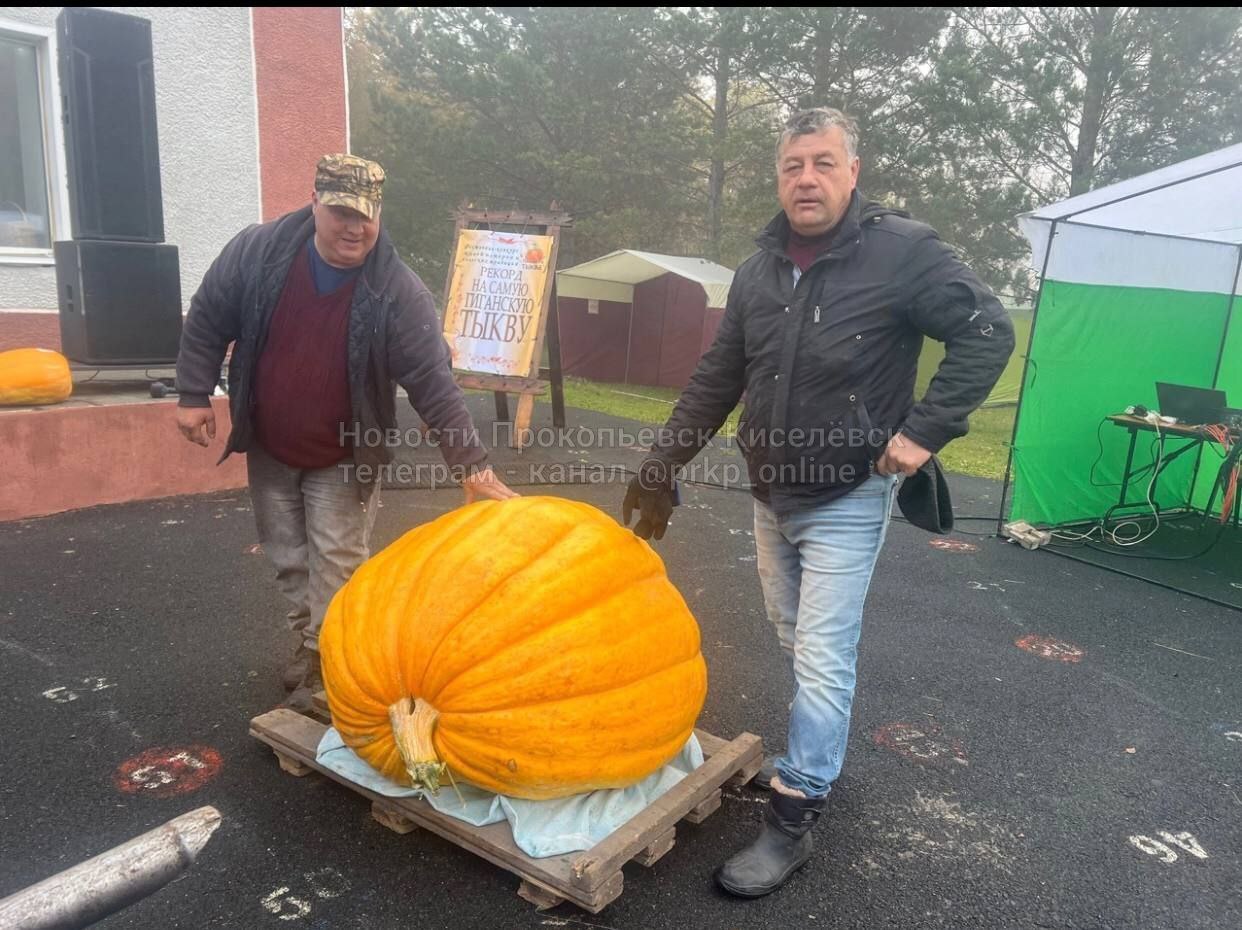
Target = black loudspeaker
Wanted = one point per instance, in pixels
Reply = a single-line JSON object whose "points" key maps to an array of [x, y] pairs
{"points": [[111, 144], [120, 302]]}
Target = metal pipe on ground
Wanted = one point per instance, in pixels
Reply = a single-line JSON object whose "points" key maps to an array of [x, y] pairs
{"points": [[113, 880]]}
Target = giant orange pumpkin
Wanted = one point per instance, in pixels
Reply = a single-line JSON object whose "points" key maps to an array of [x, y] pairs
{"points": [[34, 376], [533, 647]]}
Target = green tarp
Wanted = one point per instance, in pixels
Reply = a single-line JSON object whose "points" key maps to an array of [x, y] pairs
{"points": [[1099, 349]]}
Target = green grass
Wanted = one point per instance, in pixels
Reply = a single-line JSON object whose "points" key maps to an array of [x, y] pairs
{"points": [[632, 401], [982, 452], [985, 449]]}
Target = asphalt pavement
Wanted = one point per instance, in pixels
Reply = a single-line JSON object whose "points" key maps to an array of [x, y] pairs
{"points": [[1036, 742]]}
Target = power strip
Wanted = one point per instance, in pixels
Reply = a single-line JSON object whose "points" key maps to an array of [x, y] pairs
{"points": [[1026, 535], [1151, 416]]}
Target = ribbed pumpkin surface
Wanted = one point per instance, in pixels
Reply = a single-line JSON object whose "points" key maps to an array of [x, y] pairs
{"points": [[34, 376], [548, 639]]}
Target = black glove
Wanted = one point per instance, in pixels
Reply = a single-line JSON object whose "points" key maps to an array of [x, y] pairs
{"points": [[652, 494]]}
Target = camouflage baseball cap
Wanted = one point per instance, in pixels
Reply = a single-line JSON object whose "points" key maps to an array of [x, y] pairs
{"points": [[350, 181]]}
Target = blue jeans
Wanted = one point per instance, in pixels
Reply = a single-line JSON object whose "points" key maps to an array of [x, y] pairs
{"points": [[815, 566]]}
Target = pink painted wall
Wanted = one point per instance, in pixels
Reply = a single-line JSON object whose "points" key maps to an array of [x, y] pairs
{"points": [[20, 330], [59, 459], [300, 72]]}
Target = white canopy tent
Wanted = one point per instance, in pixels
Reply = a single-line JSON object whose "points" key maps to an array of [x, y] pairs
{"points": [[1200, 199], [613, 276]]}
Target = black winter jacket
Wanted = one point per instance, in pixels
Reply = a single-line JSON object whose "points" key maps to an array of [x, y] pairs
{"points": [[394, 338], [828, 366]]}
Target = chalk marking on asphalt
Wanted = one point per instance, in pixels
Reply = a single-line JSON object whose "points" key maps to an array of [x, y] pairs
{"points": [[276, 906], [1048, 648], [1153, 848], [952, 545], [164, 773], [935, 827], [1234, 737], [1184, 840], [63, 694], [927, 745], [327, 882], [29, 653], [984, 586], [1182, 651]]}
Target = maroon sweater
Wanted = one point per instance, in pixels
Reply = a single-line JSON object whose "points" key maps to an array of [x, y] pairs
{"points": [[302, 376], [803, 250]]}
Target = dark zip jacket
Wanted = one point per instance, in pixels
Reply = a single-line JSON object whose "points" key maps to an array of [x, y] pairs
{"points": [[828, 366], [394, 338]]}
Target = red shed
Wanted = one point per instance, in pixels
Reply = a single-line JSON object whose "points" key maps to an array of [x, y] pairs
{"points": [[638, 317]]}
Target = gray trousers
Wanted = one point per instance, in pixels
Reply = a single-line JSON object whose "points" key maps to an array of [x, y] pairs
{"points": [[315, 528]]}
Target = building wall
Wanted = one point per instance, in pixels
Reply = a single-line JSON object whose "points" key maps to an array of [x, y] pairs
{"points": [[205, 112], [300, 73], [29, 329], [70, 457], [243, 115]]}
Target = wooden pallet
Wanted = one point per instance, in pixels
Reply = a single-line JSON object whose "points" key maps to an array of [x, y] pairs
{"points": [[590, 879]]}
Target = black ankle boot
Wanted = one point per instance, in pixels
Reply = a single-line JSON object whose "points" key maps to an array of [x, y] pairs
{"points": [[784, 846]]}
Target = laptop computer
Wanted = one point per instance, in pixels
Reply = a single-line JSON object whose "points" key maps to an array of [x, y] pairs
{"points": [[1191, 405]]}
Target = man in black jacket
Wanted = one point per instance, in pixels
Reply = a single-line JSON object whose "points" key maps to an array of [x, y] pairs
{"points": [[822, 332], [325, 320]]}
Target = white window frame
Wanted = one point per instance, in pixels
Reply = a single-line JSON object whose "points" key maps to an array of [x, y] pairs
{"points": [[43, 38]]}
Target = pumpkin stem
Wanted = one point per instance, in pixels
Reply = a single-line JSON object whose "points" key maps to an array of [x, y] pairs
{"points": [[413, 722]]}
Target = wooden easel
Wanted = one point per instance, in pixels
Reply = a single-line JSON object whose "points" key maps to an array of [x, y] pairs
{"points": [[538, 380]]}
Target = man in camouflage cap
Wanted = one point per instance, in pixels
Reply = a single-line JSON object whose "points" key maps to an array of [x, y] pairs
{"points": [[350, 181], [325, 320]]}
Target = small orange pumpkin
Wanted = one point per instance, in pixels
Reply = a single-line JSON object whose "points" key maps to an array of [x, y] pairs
{"points": [[533, 647], [534, 255], [34, 376]]}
